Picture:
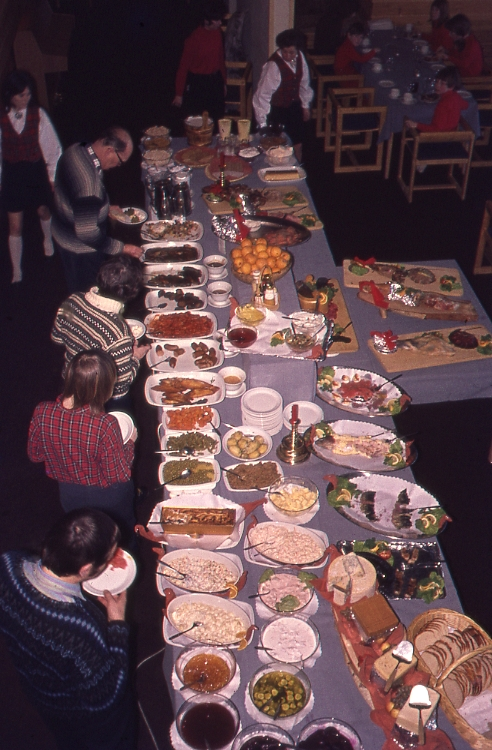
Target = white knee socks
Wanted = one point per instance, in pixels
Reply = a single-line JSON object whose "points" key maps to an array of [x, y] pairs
{"points": [[48, 242], [15, 248]]}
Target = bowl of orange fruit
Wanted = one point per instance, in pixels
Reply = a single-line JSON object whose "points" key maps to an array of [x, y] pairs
{"points": [[257, 255]]}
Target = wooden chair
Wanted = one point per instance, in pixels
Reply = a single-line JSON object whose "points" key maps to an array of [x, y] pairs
{"points": [[452, 149], [482, 92], [41, 44], [239, 89], [354, 122], [478, 84], [322, 69], [484, 246]]}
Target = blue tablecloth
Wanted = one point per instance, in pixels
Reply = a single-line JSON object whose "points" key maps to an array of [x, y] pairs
{"points": [[335, 693]]}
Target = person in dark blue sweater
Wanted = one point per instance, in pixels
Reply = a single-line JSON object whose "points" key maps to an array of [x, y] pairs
{"points": [[72, 657]]}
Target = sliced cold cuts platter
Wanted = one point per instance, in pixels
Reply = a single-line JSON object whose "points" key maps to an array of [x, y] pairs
{"points": [[360, 392], [363, 446], [427, 278], [386, 505]]}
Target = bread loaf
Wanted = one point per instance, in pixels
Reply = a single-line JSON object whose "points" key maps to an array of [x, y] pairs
{"points": [[205, 521]]}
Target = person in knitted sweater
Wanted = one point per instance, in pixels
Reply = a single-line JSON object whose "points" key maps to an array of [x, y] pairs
{"points": [[72, 657], [94, 321], [30, 150]]}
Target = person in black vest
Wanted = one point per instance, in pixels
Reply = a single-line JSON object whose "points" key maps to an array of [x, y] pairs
{"points": [[284, 93], [29, 150]]}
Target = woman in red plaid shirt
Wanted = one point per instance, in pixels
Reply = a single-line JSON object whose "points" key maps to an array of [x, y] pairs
{"points": [[81, 445]]}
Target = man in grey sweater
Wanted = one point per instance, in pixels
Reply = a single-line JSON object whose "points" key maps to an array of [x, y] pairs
{"points": [[82, 207]]}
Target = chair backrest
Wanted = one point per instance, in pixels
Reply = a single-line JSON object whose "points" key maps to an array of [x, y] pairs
{"points": [[348, 98], [482, 92], [465, 135]]}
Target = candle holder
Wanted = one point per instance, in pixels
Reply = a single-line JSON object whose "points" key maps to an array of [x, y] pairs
{"points": [[292, 450]]}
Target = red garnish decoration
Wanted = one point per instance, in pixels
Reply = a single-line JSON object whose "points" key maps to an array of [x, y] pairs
{"points": [[368, 262]]}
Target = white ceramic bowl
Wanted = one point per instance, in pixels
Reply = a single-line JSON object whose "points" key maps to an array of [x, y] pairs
{"points": [[248, 432], [309, 414]]}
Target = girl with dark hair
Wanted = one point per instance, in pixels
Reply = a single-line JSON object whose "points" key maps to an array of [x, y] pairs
{"points": [[439, 37], [81, 445], [94, 320], [30, 150], [201, 76]]}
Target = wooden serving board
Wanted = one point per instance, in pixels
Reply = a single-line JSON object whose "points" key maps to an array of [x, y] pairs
{"points": [[352, 279], [404, 359], [297, 214], [342, 319], [275, 201], [236, 169]]}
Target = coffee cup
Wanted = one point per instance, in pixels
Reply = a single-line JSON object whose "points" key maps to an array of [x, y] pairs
{"points": [[234, 378], [408, 97], [394, 93], [219, 291], [215, 265], [377, 67]]}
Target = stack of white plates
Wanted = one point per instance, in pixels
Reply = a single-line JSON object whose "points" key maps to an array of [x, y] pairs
{"points": [[262, 407]]}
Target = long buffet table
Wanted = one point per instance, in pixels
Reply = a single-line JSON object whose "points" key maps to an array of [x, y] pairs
{"points": [[335, 693]]}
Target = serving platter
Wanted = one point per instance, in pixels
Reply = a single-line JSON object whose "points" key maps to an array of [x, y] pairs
{"points": [[178, 356], [422, 276], [268, 199], [181, 489], [237, 466], [169, 252], [386, 505], [434, 348], [170, 300], [202, 499], [281, 543], [263, 175], [197, 581], [175, 275], [210, 378], [342, 387], [171, 415], [113, 579], [172, 230], [363, 446], [195, 156], [194, 323], [164, 438], [241, 610], [405, 570]]}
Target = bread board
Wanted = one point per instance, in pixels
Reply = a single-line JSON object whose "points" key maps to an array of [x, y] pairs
{"points": [[352, 279]]}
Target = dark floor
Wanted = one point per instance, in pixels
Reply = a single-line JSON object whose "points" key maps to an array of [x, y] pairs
{"points": [[122, 67]]}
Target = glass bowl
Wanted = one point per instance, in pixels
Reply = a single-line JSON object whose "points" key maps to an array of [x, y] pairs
{"points": [[284, 591], [299, 342], [290, 640], [242, 336], [205, 674], [293, 495], [263, 737], [316, 734], [293, 687], [250, 315], [307, 322], [207, 722]]}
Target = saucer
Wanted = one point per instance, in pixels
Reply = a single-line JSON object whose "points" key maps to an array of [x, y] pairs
{"points": [[221, 276], [218, 304], [387, 83], [410, 101], [237, 393]]}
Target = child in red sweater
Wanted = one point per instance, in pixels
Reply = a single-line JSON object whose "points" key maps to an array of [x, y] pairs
{"points": [[439, 37], [447, 113], [201, 76], [346, 55]]}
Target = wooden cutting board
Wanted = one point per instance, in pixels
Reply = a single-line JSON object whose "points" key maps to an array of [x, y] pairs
{"points": [[404, 359], [275, 201], [352, 279]]}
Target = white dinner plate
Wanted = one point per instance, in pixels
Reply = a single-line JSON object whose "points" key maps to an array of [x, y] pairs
{"points": [[138, 214], [125, 423], [114, 580]]}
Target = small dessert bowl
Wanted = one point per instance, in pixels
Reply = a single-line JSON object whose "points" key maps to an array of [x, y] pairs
{"points": [[215, 265], [205, 669], [299, 342]]}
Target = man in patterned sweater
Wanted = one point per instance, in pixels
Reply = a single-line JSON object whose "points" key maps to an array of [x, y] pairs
{"points": [[82, 207], [94, 321], [72, 660]]}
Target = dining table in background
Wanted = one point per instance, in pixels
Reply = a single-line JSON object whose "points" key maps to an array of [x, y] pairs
{"points": [[335, 693], [401, 58]]}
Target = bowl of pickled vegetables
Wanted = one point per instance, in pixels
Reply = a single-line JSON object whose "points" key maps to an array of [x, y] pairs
{"points": [[279, 693]]}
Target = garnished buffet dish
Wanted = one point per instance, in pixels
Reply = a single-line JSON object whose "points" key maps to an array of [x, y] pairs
{"points": [[172, 230], [360, 392], [180, 325]]}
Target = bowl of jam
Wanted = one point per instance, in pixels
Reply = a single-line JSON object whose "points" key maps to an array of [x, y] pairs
{"points": [[205, 669], [263, 737], [328, 734], [242, 336], [208, 722]]}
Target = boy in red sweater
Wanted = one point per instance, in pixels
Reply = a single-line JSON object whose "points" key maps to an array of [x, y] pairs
{"points": [[346, 55], [467, 53], [201, 76], [447, 113]]}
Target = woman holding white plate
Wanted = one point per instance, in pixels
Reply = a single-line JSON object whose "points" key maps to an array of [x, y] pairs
{"points": [[82, 446]]}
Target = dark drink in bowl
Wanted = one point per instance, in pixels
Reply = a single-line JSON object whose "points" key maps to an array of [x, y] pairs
{"points": [[242, 336], [208, 722]]}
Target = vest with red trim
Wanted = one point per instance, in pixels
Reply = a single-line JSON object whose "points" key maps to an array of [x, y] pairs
{"points": [[288, 91], [21, 146]]}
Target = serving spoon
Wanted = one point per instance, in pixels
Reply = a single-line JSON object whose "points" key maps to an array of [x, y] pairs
{"points": [[182, 632]]}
